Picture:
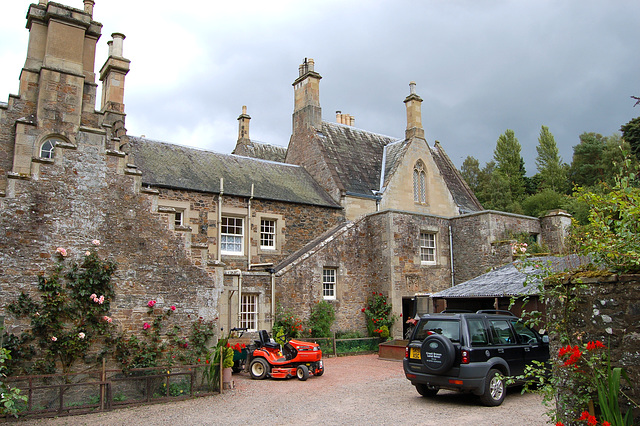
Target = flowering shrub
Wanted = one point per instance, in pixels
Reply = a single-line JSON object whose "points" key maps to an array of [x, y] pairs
{"points": [[67, 318], [290, 325], [519, 249], [153, 348], [378, 314]]}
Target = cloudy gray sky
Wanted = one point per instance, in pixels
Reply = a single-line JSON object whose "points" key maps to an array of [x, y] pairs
{"points": [[481, 66]]}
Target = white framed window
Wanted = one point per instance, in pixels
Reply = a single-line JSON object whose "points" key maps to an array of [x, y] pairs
{"points": [[329, 283], [428, 248], [419, 183], [178, 218], [232, 235], [249, 312], [267, 234], [47, 148]]}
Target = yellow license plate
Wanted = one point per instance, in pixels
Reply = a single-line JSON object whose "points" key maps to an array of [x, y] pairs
{"points": [[415, 353]]}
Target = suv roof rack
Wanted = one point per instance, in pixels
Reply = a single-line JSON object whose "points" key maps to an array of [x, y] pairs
{"points": [[495, 311], [456, 311]]}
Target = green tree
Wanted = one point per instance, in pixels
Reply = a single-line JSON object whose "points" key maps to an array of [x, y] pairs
{"points": [[539, 204], [509, 163], [551, 170], [611, 235], [470, 171], [321, 319], [586, 167], [631, 134]]}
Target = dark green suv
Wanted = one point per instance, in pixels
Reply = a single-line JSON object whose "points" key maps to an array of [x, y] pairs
{"points": [[471, 352]]}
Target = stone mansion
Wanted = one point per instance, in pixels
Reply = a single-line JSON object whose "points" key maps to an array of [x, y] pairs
{"points": [[338, 214]]}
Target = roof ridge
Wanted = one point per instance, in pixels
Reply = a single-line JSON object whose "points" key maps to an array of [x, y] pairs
{"points": [[396, 139]]}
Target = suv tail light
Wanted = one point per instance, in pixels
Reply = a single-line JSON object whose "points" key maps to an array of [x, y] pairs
{"points": [[406, 352], [465, 357]]}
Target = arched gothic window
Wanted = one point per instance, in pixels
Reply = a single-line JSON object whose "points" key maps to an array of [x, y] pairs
{"points": [[47, 147], [419, 183]]}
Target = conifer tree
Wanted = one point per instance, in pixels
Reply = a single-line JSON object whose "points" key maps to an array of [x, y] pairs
{"points": [[510, 164], [552, 171]]}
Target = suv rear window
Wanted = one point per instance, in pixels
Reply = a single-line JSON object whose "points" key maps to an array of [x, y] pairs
{"points": [[448, 328]]}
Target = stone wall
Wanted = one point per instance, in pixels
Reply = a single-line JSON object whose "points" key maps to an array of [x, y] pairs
{"points": [[79, 197], [378, 253], [608, 309], [482, 241]]}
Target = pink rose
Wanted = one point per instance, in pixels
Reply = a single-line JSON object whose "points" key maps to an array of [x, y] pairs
{"points": [[146, 326], [61, 251], [93, 296], [54, 339], [96, 242], [151, 303], [173, 308], [107, 319], [101, 299]]}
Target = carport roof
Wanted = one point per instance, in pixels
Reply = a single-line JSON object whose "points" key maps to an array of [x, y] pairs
{"points": [[508, 281]]}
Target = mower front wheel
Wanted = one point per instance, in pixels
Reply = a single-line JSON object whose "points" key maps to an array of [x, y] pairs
{"points": [[302, 372], [259, 369]]}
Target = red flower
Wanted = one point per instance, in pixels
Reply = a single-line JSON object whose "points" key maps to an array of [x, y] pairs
{"points": [[198, 359], [595, 345], [559, 424], [584, 416], [363, 309], [591, 421], [146, 326], [243, 346], [207, 361], [606, 423]]}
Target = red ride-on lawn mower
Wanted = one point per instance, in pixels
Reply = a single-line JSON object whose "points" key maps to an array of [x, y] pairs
{"points": [[296, 358]]}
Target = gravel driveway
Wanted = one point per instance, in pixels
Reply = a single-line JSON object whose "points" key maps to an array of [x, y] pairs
{"points": [[358, 390]]}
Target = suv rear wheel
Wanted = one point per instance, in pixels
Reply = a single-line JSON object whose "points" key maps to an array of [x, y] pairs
{"points": [[427, 390], [494, 389]]}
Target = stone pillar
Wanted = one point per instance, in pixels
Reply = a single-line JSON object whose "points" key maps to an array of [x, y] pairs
{"points": [[307, 111], [554, 230]]}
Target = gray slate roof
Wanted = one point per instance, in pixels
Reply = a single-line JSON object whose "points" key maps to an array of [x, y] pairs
{"points": [[174, 166], [355, 155], [464, 198], [508, 281], [263, 151]]}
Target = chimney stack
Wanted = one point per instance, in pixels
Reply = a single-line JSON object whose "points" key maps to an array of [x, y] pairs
{"points": [[112, 75], [243, 125], [88, 7], [346, 119], [307, 111], [414, 113]]}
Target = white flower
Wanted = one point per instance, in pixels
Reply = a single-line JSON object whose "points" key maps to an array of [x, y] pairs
{"points": [[54, 339], [81, 335], [96, 242], [87, 253]]}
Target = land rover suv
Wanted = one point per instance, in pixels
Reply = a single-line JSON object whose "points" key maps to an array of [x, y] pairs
{"points": [[471, 352]]}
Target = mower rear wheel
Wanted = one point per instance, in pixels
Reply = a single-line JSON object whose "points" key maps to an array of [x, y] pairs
{"points": [[259, 369], [302, 372]]}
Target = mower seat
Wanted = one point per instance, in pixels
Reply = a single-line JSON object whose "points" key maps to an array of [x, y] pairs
{"points": [[267, 341]]}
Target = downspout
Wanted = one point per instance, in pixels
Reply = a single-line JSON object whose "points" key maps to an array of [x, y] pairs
{"points": [[239, 298], [249, 231], [273, 297], [451, 257], [220, 219]]}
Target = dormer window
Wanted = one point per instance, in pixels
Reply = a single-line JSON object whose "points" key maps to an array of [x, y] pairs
{"points": [[419, 183], [47, 147]]}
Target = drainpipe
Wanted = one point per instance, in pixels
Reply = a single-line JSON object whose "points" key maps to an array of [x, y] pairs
{"points": [[249, 231], [239, 298], [451, 257], [219, 254], [273, 297]]}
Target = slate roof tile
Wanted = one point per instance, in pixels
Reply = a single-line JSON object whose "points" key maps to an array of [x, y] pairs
{"points": [[175, 166]]}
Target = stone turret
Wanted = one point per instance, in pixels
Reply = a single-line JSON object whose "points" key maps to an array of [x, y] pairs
{"points": [[57, 83]]}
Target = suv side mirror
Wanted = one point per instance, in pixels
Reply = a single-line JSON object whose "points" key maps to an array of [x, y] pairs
{"points": [[545, 339]]}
